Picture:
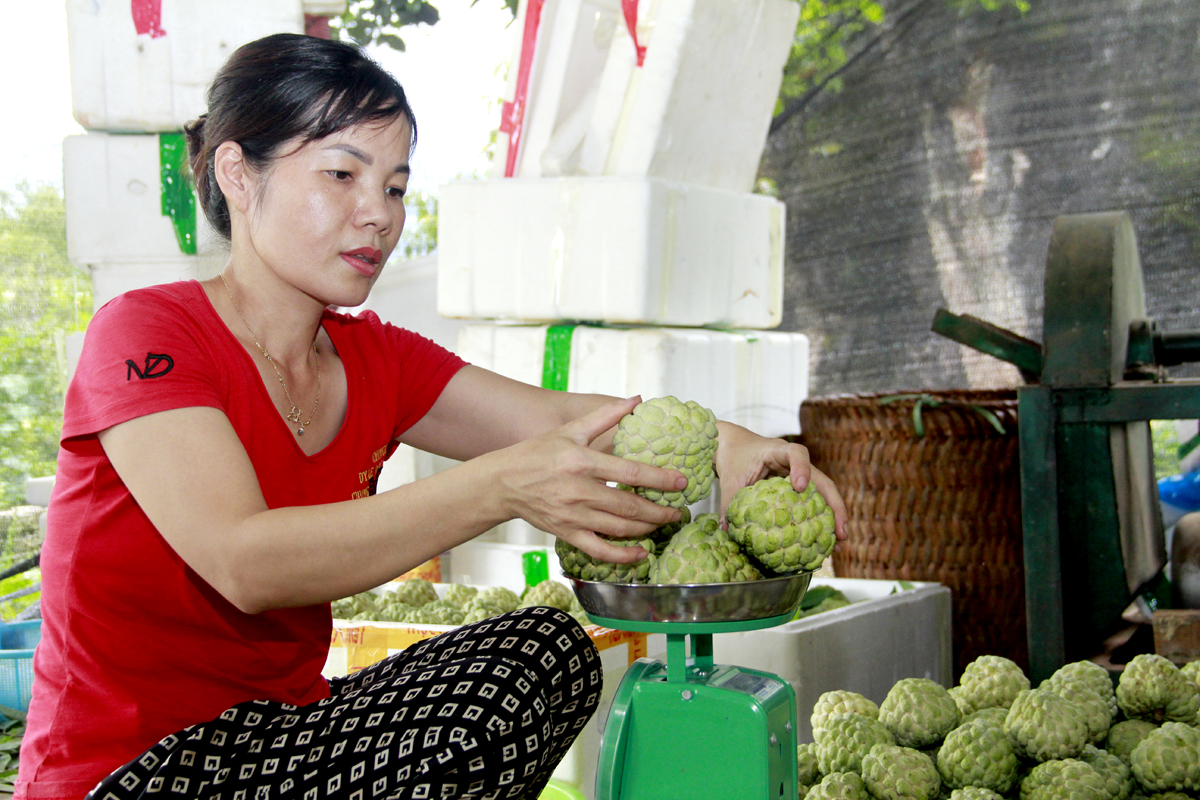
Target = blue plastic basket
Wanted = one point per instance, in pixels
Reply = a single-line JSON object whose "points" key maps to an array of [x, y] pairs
{"points": [[17, 642]]}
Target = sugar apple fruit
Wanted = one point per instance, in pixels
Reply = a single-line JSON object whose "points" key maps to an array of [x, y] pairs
{"points": [[1168, 759], [1094, 707], [668, 433], [918, 712], [1126, 735], [662, 534], [978, 754], [994, 715], [581, 565], [839, 786], [974, 793], [415, 591], [788, 531], [460, 594], [439, 612], [840, 701], [899, 773], [500, 597], [1118, 779], [1042, 726], [845, 739], [990, 681], [1153, 688], [808, 772], [1090, 673], [477, 611], [701, 553], [1063, 779], [548, 593]]}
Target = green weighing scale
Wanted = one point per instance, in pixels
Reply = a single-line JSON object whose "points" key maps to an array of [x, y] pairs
{"points": [[690, 728]]}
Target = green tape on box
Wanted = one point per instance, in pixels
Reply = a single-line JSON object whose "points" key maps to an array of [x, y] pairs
{"points": [[556, 359], [178, 202]]}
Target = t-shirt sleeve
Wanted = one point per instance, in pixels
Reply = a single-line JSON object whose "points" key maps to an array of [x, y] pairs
{"points": [[141, 354], [420, 367]]}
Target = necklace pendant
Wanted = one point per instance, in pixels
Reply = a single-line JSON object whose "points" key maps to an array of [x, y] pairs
{"points": [[294, 415], [299, 431]]}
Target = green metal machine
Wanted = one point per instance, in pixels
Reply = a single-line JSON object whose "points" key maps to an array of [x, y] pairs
{"points": [[1093, 537], [690, 728]]}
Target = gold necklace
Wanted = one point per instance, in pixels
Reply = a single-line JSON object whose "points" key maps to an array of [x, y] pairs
{"points": [[293, 415]]}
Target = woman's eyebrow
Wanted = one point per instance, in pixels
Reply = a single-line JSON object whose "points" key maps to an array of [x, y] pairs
{"points": [[363, 156]]}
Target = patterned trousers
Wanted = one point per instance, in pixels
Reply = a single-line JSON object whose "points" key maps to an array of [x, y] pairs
{"points": [[480, 713]]}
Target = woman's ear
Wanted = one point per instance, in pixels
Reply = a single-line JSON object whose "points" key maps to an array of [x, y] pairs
{"points": [[233, 176]]}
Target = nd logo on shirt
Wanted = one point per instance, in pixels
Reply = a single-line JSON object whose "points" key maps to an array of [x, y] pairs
{"points": [[370, 475], [156, 365]]}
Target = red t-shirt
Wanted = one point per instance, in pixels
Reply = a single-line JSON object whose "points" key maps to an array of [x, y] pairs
{"points": [[135, 645]]}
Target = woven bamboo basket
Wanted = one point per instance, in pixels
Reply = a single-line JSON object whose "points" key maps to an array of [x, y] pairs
{"points": [[932, 496]]}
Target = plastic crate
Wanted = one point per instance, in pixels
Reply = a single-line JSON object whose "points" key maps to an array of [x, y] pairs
{"points": [[17, 642]]}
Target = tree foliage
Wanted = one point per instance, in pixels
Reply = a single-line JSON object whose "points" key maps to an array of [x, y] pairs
{"points": [[378, 22], [421, 225], [43, 297]]}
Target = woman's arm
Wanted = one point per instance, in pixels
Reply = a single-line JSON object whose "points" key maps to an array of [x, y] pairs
{"points": [[188, 471]]}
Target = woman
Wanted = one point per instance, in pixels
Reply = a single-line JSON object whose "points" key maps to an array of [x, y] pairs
{"points": [[215, 492]]}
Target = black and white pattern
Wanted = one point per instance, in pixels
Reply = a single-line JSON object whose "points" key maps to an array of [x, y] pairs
{"points": [[481, 713]]}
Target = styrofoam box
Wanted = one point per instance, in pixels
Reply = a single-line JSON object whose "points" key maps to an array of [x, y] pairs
{"points": [[886, 634], [112, 189], [123, 81], [618, 250], [697, 110]]}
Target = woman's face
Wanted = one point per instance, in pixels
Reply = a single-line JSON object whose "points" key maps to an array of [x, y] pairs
{"points": [[327, 215]]}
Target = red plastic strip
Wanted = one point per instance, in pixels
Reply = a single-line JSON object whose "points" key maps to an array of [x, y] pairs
{"points": [[630, 7], [512, 115], [147, 18]]}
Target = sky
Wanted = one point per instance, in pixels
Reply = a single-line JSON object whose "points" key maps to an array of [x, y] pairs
{"points": [[453, 73]]}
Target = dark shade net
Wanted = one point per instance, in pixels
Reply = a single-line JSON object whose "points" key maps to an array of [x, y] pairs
{"points": [[934, 176]]}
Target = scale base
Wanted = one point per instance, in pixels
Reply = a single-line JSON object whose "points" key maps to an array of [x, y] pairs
{"points": [[724, 733]]}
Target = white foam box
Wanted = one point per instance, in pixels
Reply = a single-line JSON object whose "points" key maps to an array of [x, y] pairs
{"points": [[697, 110], [113, 189], [617, 250], [155, 81], [889, 632]]}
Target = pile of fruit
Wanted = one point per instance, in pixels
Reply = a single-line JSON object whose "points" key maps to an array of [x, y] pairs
{"points": [[993, 736], [416, 602], [773, 529]]}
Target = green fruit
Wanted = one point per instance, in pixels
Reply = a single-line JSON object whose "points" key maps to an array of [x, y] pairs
{"points": [[1042, 726], [788, 531], [1118, 779], [808, 772], [1092, 674], [548, 593], [1126, 735], [845, 740], [581, 565], [460, 594], [840, 701], [1094, 707], [1063, 779], [663, 534], [668, 433], [899, 773], [415, 592], [839, 786], [990, 681], [477, 611], [1168, 759], [995, 715], [974, 793], [1153, 688], [918, 712], [499, 597], [701, 553], [978, 754]]}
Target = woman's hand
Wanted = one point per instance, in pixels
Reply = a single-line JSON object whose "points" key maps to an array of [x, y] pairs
{"points": [[558, 483], [744, 457]]}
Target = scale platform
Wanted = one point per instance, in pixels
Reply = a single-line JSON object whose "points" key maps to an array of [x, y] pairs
{"points": [[691, 728]]}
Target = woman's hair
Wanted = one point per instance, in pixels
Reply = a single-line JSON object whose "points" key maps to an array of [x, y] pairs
{"points": [[284, 87]]}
